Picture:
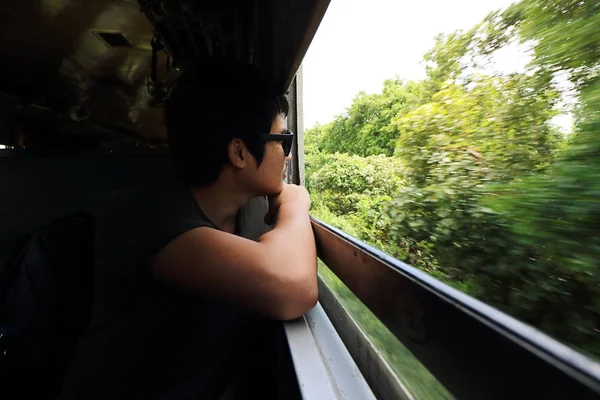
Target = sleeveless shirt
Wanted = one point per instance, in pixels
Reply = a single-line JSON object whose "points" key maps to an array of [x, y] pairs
{"points": [[147, 340]]}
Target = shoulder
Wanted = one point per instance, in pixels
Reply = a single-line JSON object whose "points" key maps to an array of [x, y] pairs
{"points": [[148, 216]]}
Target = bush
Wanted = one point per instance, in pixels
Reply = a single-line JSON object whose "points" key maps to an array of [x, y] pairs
{"points": [[344, 180]]}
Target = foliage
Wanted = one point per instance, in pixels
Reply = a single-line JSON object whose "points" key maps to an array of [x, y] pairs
{"points": [[556, 215], [346, 180], [365, 128], [476, 186], [357, 188], [501, 122]]}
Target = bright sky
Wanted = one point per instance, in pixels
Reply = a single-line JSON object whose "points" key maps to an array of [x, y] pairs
{"points": [[362, 43]]}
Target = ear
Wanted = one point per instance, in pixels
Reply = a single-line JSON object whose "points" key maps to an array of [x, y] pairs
{"points": [[237, 153]]}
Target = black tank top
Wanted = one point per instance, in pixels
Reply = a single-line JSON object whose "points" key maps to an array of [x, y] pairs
{"points": [[146, 340]]}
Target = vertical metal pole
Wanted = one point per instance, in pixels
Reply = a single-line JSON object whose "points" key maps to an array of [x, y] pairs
{"points": [[300, 125], [295, 122]]}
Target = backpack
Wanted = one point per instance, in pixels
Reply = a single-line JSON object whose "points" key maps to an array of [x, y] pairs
{"points": [[46, 295]]}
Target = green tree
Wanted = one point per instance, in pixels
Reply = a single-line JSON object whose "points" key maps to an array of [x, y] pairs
{"points": [[556, 215], [535, 249], [344, 179], [502, 122], [487, 194], [488, 129], [365, 128], [352, 192]]}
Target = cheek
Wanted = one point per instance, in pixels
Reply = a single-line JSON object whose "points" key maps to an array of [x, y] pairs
{"points": [[274, 159]]}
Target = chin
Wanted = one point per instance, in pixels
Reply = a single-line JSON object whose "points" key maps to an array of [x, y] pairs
{"points": [[271, 191], [277, 189]]}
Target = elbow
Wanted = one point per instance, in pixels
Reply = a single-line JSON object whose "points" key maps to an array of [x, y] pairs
{"points": [[299, 306], [298, 296]]}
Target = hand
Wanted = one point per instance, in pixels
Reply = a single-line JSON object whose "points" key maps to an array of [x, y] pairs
{"points": [[291, 195]]}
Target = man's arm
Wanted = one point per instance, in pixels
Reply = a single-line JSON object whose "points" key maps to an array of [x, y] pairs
{"points": [[276, 276]]}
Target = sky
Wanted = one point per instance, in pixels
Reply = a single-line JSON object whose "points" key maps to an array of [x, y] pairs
{"points": [[361, 43]]}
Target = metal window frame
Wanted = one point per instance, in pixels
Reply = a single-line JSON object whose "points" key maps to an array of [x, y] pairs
{"points": [[324, 368], [380, 376], [474, 350]]}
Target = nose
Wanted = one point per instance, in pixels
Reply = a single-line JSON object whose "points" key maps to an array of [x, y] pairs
{"points": [[289, 157]]}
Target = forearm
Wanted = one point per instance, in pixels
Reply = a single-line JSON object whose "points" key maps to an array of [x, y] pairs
{"points": [[292, 238], [293, 259], [276, 275]]}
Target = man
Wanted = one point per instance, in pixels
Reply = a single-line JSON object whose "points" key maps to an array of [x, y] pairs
{"points": [[186, 268]]}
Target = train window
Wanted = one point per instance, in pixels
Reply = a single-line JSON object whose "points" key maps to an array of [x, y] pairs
{"points": [[469, 149], [416, 381]]}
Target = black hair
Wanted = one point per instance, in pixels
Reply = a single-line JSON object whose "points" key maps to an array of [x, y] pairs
{"points": [[213, 104]]}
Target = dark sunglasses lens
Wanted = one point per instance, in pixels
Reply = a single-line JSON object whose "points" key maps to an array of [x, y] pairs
{"points": [[287, 147]]}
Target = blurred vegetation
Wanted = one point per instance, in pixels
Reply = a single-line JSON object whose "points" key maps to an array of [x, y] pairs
{"points": [[464, 175]]}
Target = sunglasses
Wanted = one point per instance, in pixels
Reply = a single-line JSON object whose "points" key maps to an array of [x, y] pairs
{"points": [[286, 138]]}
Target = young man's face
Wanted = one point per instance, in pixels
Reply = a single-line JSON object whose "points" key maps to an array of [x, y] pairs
{"points": [[271, 172]]}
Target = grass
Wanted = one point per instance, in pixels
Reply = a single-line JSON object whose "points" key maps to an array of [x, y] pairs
{"points": [[416, 378]]}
